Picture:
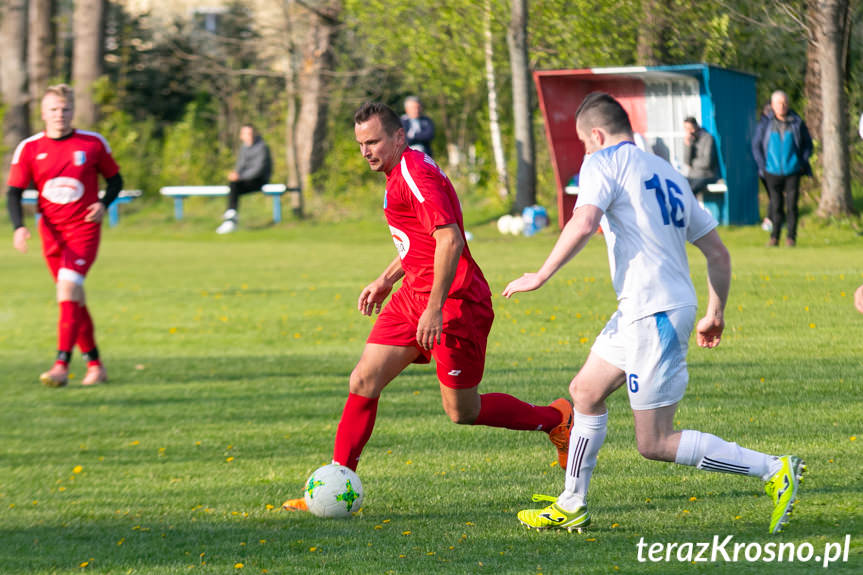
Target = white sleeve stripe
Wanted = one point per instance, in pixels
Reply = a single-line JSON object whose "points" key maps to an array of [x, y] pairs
{"points": [[97, 135], [17, 155], [410, 181]]}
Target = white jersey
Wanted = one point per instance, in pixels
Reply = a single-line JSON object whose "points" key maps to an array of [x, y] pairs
{"points": [[649, 215]]}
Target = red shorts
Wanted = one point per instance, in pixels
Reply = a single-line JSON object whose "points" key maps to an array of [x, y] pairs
{"points": [[70, 247], [460, 357]]}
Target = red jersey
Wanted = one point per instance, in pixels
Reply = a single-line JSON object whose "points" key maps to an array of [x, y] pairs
{"points": [[65, 171], [420, 198]]}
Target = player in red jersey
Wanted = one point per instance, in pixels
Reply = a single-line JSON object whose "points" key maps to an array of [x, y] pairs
{"points": [[65, 165], [442, 310]]}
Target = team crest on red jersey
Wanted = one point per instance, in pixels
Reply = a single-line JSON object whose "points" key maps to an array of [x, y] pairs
{"points": [[80, 157]]}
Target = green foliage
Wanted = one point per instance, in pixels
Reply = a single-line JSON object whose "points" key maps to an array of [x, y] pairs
{"points": [[583, 33], [191, 153], [134, 143]]}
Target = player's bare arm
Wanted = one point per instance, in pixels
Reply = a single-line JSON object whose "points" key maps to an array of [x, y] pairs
{"points": [[374, 294], [858, 299], [449, 244], [575, 235], [19, 239], [708, 331]]}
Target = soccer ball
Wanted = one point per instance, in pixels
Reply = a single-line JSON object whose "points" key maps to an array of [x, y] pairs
{"points": [[333, 491]]}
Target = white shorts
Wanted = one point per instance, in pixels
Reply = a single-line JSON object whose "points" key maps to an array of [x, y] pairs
{"points": [[652, 353]]}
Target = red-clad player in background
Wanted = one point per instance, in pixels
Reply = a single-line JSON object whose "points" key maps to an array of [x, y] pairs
{"points": [[442, 310], [65, 165]]}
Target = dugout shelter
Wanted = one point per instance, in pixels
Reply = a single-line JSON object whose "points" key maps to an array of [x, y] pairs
{"points": [[658, 99]]}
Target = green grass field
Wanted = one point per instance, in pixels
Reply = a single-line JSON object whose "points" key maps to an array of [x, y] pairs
{"points": [[229, 359]]}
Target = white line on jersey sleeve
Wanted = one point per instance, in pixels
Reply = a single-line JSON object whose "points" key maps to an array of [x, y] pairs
{"points": [[410, 181]]}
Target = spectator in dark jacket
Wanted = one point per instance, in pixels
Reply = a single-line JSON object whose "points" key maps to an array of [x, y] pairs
{"points": [[419, 128], [699, 155], [782, 147], [252, 171]]}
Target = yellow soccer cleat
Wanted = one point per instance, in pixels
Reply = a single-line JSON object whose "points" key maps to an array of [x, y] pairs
{"points": [[554, 517], [782, 489]]}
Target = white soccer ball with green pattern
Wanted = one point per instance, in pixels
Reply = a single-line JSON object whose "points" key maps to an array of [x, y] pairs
{"points": [[333, 491]]}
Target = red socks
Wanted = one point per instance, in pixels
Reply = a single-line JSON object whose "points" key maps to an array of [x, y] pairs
{"points": [[355, 429], [502, 410], [86, 340], [67, 328]]}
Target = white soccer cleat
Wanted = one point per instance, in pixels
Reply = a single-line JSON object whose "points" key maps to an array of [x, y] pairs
{"points": [[227, 227]]}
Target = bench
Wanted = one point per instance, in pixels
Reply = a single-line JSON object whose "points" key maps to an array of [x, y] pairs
{"points": [[180, 193], [125, 196], [718, 187]]}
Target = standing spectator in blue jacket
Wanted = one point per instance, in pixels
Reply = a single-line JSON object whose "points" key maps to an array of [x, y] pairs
{"points": [[782, 147], [419, 128]]}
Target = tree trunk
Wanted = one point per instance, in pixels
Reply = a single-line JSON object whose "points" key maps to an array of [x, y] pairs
{"points": [[293, 176], [812, 86], [13, 77], [653, 32], [521, 86], [88, 26], [40, 47], [313, 79], [830, 35], [493, 121]]}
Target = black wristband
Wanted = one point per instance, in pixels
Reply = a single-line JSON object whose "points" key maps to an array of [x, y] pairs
{"points": [[13, 204]]}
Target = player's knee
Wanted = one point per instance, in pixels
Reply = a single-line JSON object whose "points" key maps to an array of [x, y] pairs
{"points": [[70, 276], [361, 383], [584, 399], [651, 449], [462, 416]]}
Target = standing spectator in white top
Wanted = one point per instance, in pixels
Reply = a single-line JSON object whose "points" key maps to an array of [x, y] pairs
{"points": [[648, 214], [699, 156], [419, 128], [252, 171]]}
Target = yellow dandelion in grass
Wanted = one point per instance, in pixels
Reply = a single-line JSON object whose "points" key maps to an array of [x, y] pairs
{"points": [[269, 507], [591, 539], [35, 502], [312, 549], [229, 459], [693, 498], [853, 438], [61, 488], [172, 330], [469, 523], [238, 565], [686, 510], [812, 325], [406, 532], [134, 443], [430, 552], [379, 526], [615, 525], [297, 336], [386, 521], [84, 564], [736, 517], [77, 469]]}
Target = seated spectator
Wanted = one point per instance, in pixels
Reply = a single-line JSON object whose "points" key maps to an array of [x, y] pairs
{"points": [[252, 171], [699, 156]]}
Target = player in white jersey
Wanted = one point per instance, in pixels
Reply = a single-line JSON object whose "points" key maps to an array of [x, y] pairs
{"points": [[648, 213]]}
